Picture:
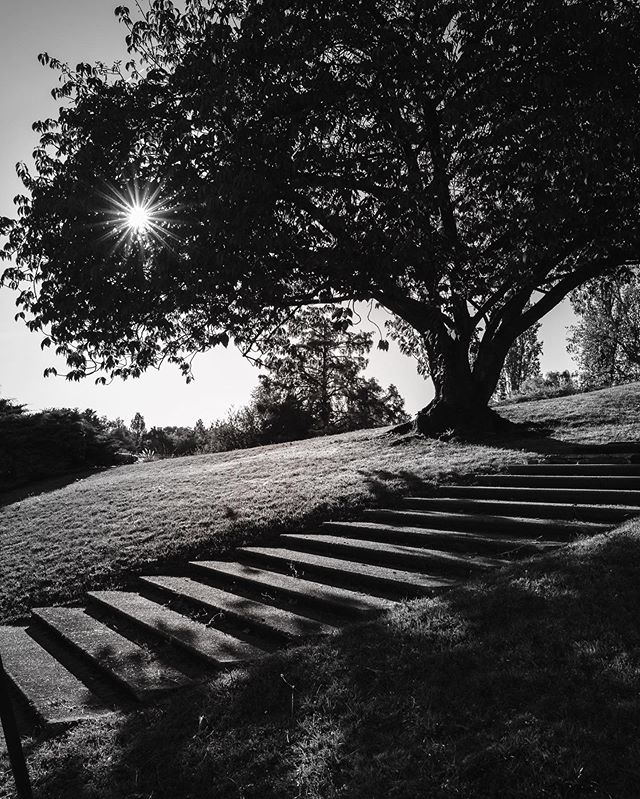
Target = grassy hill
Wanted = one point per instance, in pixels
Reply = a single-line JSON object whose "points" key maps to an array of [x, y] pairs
{"points": [[101, 530], [525, 684]]}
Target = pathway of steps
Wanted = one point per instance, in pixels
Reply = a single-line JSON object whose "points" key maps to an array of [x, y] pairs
{"points": [[129, 647]]}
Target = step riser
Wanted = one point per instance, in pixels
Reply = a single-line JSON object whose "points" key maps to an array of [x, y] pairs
{"points": [[596, 482], [520, 510], [396, 587], [324, 604], [445, 541], [578, 496]]}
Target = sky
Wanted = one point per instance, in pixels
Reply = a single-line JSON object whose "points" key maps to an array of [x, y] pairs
{"points": [[87, 30]]}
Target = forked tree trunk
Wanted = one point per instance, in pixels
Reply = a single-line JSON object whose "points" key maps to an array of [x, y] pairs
{"points": [[462, 393]]}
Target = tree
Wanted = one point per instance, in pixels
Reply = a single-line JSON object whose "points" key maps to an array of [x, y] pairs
{"points": [[465, 165], [522, 362], [606, 339], [138, 430], [317, 359]]}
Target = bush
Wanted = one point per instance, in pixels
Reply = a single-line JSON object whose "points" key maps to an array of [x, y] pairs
{"points": [[553, 384], [35, 446]]}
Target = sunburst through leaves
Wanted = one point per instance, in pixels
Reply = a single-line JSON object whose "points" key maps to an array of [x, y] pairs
{"points": [[139, 215]]}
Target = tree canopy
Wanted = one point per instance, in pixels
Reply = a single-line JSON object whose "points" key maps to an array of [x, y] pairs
{"points": [[606, 337], [465, 165]]}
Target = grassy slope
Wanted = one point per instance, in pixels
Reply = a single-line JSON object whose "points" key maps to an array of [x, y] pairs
{"points": [[100, 530], [525, 685]]}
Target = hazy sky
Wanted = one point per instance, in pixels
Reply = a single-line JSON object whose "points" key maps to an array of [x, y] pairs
{"points": [[87, 30]]}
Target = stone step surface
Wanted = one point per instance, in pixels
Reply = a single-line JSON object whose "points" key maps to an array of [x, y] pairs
{"points": [[55, 696], [415, 558], [214, 646], [347, 572], [577, 469], [352, 603], [266, 618], [500, 544], [133, 667], [599, 482], [503, 514], [549, 496]]}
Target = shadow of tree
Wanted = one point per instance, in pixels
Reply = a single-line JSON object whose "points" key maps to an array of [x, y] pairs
{"points": [[526, 684]]}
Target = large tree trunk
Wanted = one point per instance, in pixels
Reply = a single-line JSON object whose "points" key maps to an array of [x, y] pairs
{"points": [[462, 392]]}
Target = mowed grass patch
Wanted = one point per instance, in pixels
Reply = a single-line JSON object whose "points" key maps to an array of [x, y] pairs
{"points": [[103, 530], [607, 416], [526, 684]]}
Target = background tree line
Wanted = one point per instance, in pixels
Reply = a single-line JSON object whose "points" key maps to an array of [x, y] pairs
{"points": [[313, 384]]}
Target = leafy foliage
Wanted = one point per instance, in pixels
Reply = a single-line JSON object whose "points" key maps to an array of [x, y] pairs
{"points": [[521, 364], [606, 339], [34, 446], [316, 360], [449, 161]]}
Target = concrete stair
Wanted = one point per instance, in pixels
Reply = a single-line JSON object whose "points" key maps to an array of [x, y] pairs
{"points": [[124, 648]]}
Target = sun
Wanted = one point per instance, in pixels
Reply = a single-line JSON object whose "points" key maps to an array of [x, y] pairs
{"points": [[138, 218]]}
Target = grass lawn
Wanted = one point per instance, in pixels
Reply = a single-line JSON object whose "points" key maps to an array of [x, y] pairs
{"points": [[103, 529], [526, 684]]}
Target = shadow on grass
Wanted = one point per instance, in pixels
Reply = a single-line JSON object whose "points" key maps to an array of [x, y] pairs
{"points": [[18, 494], [525, 685]]}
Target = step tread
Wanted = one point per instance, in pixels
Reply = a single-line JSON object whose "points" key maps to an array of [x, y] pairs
{"points": [[565, 494], [267, 617], [445, 536], [216, 646], [562, 469], [131, 665], [623, 483], [55, 695], [439, 512], [620, 511], [353, 601], [348, 568], [418, 555]]}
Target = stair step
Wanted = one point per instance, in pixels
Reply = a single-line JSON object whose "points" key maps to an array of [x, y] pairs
{"points": [[392, 554], [577, 469], [52, 693], [264, 617], [308, 564], [444, 539], [130, 665], [503, 515], [462, 515], [600, 482], [213, 645], [342, 600], [573, 496]]}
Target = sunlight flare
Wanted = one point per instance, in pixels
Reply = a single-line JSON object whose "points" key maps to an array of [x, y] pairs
{"points": [[139, 215]]}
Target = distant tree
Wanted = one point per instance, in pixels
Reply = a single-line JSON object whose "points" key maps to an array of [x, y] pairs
{"points": [[464, 164], [9, 408], [522, 362], [369, 405], [138, 429], [606, 339], [200, 436], [319, 359]]}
